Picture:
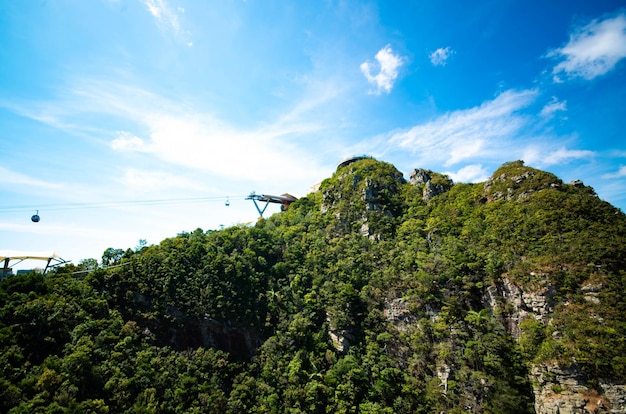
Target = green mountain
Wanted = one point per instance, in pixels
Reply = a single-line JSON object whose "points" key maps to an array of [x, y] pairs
{"points": [[370, 295]]}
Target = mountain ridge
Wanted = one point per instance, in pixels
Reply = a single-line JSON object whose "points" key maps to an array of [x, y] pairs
{"points": [[372, 294]]}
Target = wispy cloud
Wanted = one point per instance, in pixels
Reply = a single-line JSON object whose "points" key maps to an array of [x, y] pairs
{"points": [[619, 174], [126, 141], [167, 18], [563, 155], [179, 134], [163, 14], [592, 50], [387, 64], [464, 134], [440, 56], [553, 107], [470, 174], [542, 156], [18, 179]]}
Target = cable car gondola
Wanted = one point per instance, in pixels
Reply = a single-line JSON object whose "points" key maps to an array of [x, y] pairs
{"points": [[35, 218]]}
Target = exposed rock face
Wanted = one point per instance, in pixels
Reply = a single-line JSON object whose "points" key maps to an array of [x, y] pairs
{"points": [[434, 183], [590, 292], [537, 304], [514, 181], [580, 184], [443, 373], [558, 389], [397, 312], [340, 338], [362, 196], [616, 395]]}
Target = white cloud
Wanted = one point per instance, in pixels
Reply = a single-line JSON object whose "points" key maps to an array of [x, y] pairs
{"points": [[202, 142], [592, 50], [157, 8], [126, 141], [166, 18], [275, 152], [542, 156], [177, 133], [563, 155], [463, 134], [388, 65], [619, 174], [470, 174], [440, 56], [553, 107]]}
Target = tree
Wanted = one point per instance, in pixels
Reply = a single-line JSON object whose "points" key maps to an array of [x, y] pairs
{"points": [[112, 256], [88, 264]]}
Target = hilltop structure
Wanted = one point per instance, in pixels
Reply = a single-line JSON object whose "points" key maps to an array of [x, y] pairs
{"points": [[352, 159]]}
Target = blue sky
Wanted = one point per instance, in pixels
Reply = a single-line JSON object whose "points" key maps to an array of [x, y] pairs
{"points": [[109, 105]]}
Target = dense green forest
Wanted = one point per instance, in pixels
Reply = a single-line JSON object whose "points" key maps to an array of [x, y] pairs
{"points": [[373, 294]]}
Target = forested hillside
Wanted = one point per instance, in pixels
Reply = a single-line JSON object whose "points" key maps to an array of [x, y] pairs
{"points": [[372, 295]]}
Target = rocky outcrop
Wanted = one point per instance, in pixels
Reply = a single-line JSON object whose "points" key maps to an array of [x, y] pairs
{"points": [[372, 202], [580, 184], [615, 395], [591, 292], [341, 339], [514, 181], [398, 313], [558, 388], [434, 183], [537, 304], [363, 196]]}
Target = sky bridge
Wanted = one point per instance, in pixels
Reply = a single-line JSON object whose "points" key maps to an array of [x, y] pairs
{"points": [[284, 200]]}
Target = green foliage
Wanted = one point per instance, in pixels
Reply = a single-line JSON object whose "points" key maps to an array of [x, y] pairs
{"points": [[361, 297]]}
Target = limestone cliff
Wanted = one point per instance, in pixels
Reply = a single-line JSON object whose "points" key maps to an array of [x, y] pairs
{"points": [[559, 386], [433, 183]]}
